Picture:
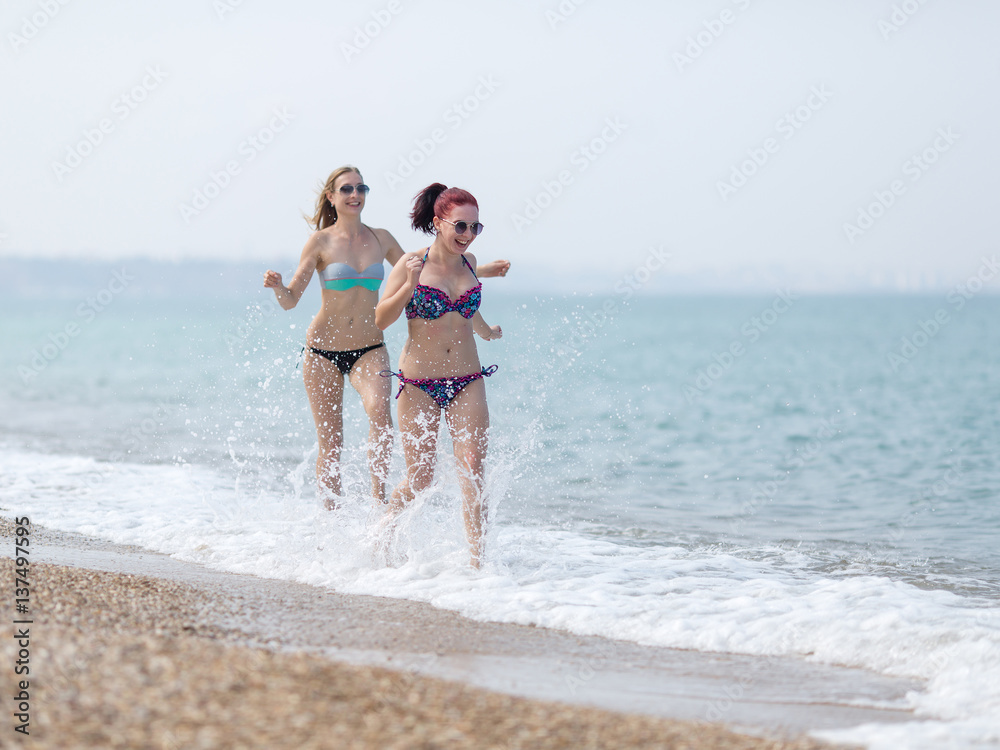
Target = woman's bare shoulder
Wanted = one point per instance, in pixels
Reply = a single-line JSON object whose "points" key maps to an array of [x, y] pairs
{"points": [[386, 239]]}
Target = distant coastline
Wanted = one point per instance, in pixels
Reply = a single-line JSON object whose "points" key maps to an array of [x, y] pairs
{"points": [[68, 278]]}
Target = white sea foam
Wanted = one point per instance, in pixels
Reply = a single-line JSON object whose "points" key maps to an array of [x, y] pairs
{"points": [[759, 601]]}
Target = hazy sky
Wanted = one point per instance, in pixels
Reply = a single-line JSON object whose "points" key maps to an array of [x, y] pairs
{"points": [[822, 144]]}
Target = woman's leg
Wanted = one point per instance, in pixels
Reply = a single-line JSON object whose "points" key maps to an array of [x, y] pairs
{"points": [[419, 419], [325, 389], [375, 392], [468, 420]]}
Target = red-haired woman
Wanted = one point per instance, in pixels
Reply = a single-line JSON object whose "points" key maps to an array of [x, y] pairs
{"points": [[343, 340], [439, 368]]}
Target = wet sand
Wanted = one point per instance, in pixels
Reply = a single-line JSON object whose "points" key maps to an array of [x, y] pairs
{"points": [[135, 649]]}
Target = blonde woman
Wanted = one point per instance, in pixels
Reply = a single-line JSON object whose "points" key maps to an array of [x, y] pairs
{"points": [[343, 342]]}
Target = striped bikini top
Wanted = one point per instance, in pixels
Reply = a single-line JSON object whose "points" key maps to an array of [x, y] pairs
{"points": [[341, 276], [431, 303]]}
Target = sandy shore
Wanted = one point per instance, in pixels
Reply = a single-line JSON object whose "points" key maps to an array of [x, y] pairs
{"points": [[142, 661]]}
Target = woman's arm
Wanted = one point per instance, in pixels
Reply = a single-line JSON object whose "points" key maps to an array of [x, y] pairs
{"points": [[289, 296], [398, 290], [393, 252], [479, 325], [493, 268], [485, 331]]}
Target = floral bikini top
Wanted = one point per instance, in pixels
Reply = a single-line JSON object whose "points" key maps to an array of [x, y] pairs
{"points": [[431, 303]]}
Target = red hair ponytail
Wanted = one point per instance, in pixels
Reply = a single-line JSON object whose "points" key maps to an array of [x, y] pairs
{"points": [[437, 200]]}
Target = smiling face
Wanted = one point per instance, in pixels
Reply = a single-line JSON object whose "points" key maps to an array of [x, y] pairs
{"points": [[347, 203], [451, 239]]}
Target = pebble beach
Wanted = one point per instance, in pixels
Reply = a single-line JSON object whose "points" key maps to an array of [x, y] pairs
{"points": [[132, 661]]}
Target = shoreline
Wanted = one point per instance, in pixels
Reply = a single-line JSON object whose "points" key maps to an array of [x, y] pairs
{"points": [[450, 682]]}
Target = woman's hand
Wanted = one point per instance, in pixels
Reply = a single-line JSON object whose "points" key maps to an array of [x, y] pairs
{"points": [[398, 290], [414, 264], [494, 268], [285, 296], [483, 329]]}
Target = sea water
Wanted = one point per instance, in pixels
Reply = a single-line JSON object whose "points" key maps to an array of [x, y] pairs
{"points": [[773, 474]]}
